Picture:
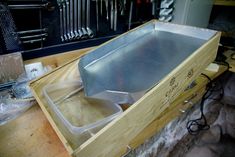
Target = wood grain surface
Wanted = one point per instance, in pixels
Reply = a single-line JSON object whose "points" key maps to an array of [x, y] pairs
{"points": [[59, 59], [30, 135]]}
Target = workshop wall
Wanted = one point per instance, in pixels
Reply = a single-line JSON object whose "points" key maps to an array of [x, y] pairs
{"points": [[44, 23]]}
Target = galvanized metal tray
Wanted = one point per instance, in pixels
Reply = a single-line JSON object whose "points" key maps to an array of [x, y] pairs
{"points": [[124, 68]]}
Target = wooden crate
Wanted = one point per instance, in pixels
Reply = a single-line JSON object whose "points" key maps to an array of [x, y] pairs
{"points": [[138, 121]]}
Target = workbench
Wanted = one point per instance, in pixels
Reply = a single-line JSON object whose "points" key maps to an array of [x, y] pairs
{"points": [[32, 135]]}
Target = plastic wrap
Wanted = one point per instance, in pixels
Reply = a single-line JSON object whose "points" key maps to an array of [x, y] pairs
{"points": [[21, 88], [16, 100], [12, 108]]}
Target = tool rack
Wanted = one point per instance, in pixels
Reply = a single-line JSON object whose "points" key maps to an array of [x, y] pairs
{"points": [[62, 25]]}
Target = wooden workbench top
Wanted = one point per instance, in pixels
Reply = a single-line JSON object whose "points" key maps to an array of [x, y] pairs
{"points": [[30, 135]]}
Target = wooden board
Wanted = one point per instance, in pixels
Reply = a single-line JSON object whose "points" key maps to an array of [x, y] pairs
{"points": [[30, 135], [113, 139], [59, 59], [225, 2]]}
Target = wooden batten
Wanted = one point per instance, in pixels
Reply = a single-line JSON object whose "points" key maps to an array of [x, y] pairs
{"points": [[65, 72], [59, 59], [127, 129]]}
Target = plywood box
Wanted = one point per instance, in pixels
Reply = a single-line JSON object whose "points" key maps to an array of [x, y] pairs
{"points": [[114, 138]]}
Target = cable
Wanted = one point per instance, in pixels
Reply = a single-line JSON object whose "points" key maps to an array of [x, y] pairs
{"points": [[196, 125]]}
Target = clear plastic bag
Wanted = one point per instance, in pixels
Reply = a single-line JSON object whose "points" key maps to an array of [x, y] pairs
{"points": [[21, 88], [19, 98], [12, 108], [16, 100]]}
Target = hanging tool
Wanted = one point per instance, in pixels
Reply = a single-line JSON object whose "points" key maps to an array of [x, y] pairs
{"points": [[122, 6], [165, 12], [79, 10], [115, 16], [68, 19], [61, 24], [34, 36], [130, 15], [75, 8], [111, 14], [84, 31], [153, 7], [64, 21], [59, 2], [71, 19], [33, 41], [101, 7], [29, 1], [89, 31], [107, 9], [166, 3], [97, 16], [48, 6], [43, 30]]}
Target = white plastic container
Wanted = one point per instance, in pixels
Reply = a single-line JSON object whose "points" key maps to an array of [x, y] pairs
{"points": [[78, 117]]}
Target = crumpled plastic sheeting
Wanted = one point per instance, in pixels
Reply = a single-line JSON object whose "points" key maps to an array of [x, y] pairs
{"points": [[15, 101], [21, 89], [11, 109]]}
